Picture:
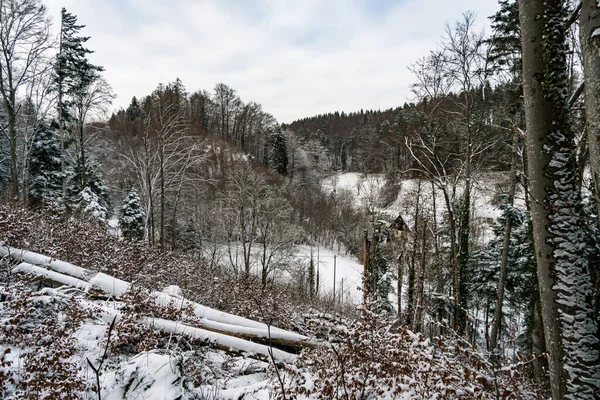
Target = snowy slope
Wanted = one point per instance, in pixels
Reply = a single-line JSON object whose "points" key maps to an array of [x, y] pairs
{"points": [[151, 374]]}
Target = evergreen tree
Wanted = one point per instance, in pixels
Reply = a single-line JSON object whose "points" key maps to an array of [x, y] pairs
{"points": [[485, 268], [73, 75], [91, 204], [134, 110], [190, 240], [131, 218], [94, 190], [278, 159], [505, 50], [380, 279], [45, 176]]}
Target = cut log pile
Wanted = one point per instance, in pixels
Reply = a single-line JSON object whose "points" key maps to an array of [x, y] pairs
{"points": [[223, 330]]}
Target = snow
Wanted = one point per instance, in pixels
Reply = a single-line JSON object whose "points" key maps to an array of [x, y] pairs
{"points": [[26, 268], [347, 268], [41, 260], [366, 188], [173, 290], [223, 321], [211, 318], [149, 376], [596, 32], [220, 339], [110, 285]]}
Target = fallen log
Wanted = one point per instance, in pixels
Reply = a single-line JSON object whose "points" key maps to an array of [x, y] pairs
{"points": [[222, 341], [45, 261], [258, 333]]}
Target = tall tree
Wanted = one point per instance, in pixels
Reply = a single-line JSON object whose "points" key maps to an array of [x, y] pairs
{"points": [[131, 219], [466, 62], [45, 177], [590, 45], [95, 97], [73, 77], [278, 159], [24, 41], [563, 273]]}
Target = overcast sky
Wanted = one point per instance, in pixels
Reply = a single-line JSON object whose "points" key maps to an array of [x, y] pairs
{"points": [[297, 58]]}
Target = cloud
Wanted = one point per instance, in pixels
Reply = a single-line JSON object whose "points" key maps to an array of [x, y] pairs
{"points": [[296, 58]]}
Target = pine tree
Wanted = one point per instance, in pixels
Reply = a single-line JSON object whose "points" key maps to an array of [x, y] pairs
{"points": [[45, 176], [94, 191], [73, 75], [131, 218], [278, 159], [190, 240], [380, 282], [134, 110], [485, 266]]}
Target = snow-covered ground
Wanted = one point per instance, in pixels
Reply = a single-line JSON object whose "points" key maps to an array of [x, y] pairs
{"points": [[155, 374], [366, 190], [330, 263], [344, 269]]}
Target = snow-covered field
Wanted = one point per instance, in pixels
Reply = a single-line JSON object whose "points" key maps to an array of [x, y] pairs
{"points": [[344, 269], [331, 265]]}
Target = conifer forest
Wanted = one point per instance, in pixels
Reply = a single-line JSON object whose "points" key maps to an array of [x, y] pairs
{"points": [[185, 243]]}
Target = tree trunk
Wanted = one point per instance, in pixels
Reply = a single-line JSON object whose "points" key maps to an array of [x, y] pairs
{"points": [[12, 138], [82, 155], [400, 277], [563, 274], [61, 121], [589, 24], [464, 231], [162, 195], [453, 257], [410, 302], [421, 280], [497, 320], [589, 29]]}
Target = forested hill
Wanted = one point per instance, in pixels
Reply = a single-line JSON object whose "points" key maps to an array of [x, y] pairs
{"points": [[376, 141]]}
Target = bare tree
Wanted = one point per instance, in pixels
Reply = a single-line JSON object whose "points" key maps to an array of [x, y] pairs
{"points": [[93, 100], [466, 62], [246, 190], [164, 161], [24, 42], [276, 235]]}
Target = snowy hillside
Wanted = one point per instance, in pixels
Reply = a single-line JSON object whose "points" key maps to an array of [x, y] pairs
{"points": [[81, 331], [366, 190], [110, 318]]}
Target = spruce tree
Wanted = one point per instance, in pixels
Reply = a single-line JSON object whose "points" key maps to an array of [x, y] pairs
{"points": [[45, 176], [91, 204], [131, 217], [380, 283], [278, 159], [94, 190], [134, 110], [73, 75], [190, 240]]}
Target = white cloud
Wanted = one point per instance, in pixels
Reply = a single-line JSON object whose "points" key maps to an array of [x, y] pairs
{"points": [[296, 58]]}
